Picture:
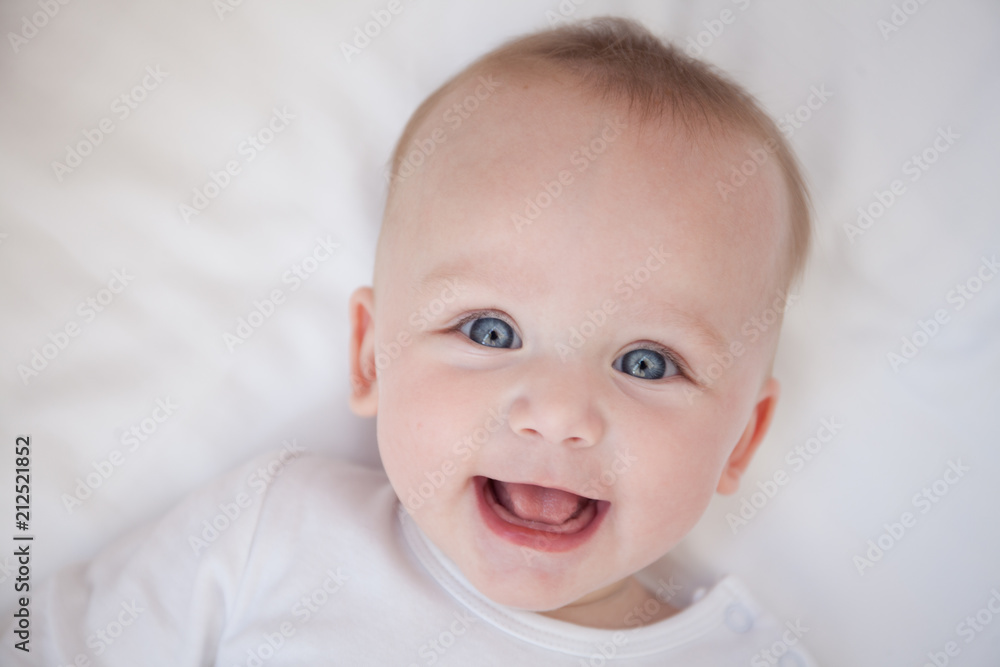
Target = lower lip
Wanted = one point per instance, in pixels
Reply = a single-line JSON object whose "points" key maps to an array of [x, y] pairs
{"points": [[539, 540]]}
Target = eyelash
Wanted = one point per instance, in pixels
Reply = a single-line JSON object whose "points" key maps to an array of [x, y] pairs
{"points": [[682, 368], [483, 313]]}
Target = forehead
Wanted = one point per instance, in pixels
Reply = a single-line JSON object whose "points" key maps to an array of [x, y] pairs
{"points": [[544, 186]]}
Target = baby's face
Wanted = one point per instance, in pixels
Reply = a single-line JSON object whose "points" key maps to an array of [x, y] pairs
{"points": [[538, 407]]}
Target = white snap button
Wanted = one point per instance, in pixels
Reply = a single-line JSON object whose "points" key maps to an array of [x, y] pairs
{"points": [[738, 618], [791, 659]]}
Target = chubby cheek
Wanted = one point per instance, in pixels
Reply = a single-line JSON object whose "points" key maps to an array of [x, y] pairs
{"points": [[677, 471], [420, 429]]}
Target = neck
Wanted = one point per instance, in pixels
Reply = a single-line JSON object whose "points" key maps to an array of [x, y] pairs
{"points": [[614, 607]]}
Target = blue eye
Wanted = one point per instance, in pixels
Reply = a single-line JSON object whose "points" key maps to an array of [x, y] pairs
{"points": [[646, 364], [491, 332]]}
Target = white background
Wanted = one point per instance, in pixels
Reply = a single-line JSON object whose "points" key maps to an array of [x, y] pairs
{"points": [[60, 242]]}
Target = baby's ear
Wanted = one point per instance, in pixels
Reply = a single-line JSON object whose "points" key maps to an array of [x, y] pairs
{"points": [[364, 388], [760, 420]]}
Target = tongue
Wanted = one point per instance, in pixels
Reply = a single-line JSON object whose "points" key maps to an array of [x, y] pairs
{"points": [[537, 503]]}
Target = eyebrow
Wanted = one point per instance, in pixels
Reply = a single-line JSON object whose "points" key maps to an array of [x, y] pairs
{"points": [[491, 277], [663, 312], [660, 312]]}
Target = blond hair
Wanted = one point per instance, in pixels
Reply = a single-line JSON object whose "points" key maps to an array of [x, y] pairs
{"points": [[621, 61]]}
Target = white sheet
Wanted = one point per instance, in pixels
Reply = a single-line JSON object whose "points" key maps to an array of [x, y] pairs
{"points": [[891, 94]]}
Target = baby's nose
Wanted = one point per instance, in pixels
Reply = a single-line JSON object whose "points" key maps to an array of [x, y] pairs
{"points": [[557, 406]]}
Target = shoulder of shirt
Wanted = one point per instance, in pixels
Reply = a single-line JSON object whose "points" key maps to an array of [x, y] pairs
{"points": [[302, 472], [318, 511], [302, 490]]}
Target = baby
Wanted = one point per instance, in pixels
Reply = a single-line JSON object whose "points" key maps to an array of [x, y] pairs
{"points": [[558, 346]]}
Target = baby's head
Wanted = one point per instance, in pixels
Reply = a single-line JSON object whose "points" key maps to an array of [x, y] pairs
{"points": [[576, 307]]}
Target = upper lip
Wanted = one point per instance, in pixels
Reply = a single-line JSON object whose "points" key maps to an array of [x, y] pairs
{"points": [[543, 483]]}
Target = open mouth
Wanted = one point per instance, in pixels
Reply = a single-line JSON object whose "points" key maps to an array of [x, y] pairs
{"points": [[538, 517]]}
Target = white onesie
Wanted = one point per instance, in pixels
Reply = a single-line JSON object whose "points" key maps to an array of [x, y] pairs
{"points": [[310, 561]]}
